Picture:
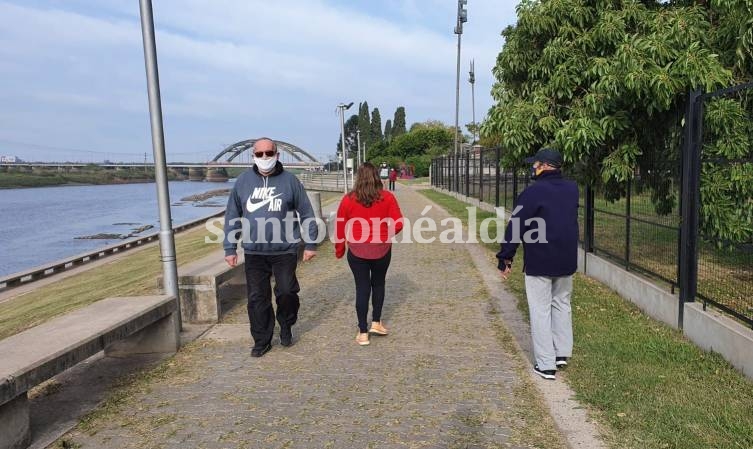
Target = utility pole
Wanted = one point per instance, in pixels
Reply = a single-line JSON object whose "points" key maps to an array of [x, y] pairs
{"points": [[166, 236], [462, 18], [358, 138], [344, 107], [472, 80]]}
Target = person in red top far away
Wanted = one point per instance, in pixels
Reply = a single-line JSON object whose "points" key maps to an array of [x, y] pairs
{"points": [[368, 217], [393, 178]]}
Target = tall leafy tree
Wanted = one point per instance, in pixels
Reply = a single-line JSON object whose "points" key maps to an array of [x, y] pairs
{"points": [[364, 122], [607, 82], [351, 143], [388, 130], [398, 123], [376, 127]]}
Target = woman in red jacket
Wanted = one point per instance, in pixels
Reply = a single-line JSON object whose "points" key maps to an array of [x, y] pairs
{"points": [[367, 219]]}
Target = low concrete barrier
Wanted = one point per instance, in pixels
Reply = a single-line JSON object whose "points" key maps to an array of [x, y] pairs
{"points": [[119, 326]]}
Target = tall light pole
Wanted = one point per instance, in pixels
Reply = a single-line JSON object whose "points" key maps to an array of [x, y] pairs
{"points": [[166, 237], [343, 107], [472, 80], [462, 18], [358, 138]]}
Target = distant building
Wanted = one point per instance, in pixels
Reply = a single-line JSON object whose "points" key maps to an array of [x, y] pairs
{"points": [[10, 160]]}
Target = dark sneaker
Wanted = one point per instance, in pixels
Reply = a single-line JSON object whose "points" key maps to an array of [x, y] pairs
{"points": [[258, 352], [560, 362], [286, 336], [545, 373]]}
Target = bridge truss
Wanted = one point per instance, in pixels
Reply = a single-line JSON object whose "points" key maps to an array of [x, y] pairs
{"points": [[296, 155]]}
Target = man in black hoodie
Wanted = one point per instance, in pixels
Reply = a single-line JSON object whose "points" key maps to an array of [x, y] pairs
{"points": [[262, 205], [549, 261]]}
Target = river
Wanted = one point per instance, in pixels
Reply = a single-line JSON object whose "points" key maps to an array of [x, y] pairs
{"points": [[40, 225]]}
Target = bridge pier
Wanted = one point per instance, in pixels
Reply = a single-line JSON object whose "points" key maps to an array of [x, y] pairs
{"points": [[217, 175], [196, 174]]}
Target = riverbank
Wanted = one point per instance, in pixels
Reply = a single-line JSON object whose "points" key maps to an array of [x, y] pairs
{"points": [[87, 176]]}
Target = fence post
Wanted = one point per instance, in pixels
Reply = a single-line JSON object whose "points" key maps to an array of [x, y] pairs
{"points": [[481, 175], [628, 199], [689, 204], [588, 227], [468, 173], [496, 177]]}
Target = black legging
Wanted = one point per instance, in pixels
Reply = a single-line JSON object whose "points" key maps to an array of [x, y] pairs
{"points": [[369, 275]]}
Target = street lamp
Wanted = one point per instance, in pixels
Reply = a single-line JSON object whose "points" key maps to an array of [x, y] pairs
{"points": [[462, 18], [472, 80], [166, 237], [343, 107], [358, 138]]}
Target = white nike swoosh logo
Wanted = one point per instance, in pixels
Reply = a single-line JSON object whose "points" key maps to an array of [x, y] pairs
{"points": [[253, 207]]}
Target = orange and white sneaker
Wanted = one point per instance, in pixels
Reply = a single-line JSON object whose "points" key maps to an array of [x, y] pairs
{"points": [[377, 328], [362, 339]]}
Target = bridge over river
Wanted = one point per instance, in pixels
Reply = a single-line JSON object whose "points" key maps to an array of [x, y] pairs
{"points": [[291, 156]]}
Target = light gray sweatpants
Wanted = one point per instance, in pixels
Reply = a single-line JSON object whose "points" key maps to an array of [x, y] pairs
{"points": [[551, 318]]}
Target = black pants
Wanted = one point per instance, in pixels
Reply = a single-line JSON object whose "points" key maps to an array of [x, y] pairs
{"points": [[259, 270], [369, 275], [392, 184]]}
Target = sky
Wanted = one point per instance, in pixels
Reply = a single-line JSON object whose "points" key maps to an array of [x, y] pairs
{"points": [[74, 85]]}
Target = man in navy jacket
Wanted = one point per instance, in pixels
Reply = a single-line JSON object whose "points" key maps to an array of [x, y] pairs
{"points": [[546, 218]]}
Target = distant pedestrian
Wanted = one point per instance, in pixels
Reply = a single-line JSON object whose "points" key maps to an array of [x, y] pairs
{"points": [[393, 178], [367, 219], [384, 173], [261, 200], [549, 264]]}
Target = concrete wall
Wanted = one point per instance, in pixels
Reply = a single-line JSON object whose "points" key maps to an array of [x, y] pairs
{"points": [[654, 301], [715, 332], [709, 330]]}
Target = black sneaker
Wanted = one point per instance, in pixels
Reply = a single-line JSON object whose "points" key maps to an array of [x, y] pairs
{"points": [[545, 373], [286, 336], [560, 362], [258, 352]]}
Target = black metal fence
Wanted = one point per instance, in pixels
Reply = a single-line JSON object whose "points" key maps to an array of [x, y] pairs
{"points": [[720, 271], [649, 225]]}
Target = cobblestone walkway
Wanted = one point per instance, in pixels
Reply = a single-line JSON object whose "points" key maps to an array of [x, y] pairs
{"points": [[443, 378]]}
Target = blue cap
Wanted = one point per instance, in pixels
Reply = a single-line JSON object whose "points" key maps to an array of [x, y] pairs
{"points": [[547, 155]]}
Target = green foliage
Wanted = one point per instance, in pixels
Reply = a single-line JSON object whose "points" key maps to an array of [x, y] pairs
{"points": [[398, 123], [388, 130], [364, 122], [375, 133], [607, 82], [351, 139], [421, 140]]}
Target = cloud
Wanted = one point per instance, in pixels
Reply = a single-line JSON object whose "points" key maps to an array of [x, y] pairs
{"points": [[230, 70]]}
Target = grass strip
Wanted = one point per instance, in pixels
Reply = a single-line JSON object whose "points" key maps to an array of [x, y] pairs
{"points": [[133, 275], [645, 381]]}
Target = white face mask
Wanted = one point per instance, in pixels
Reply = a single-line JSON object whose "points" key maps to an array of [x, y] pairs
{"points": [[265, 165]]}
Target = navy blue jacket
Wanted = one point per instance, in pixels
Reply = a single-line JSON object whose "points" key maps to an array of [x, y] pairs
{"points": [[555, 200]]}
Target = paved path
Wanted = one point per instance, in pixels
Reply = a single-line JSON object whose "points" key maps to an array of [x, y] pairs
{"points": [[446, 377]]}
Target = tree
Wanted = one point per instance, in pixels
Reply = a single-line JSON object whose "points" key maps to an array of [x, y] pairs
{"points": [[427, 139], [607, 83], [398, 124], [388, 130], [376, 127], [364, 122], [351, 142]]}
